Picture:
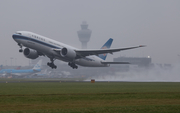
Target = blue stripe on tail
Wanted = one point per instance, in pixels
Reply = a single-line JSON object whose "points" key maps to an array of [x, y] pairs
{"points": [[107, 45]]}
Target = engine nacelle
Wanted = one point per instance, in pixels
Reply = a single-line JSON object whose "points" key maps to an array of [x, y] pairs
{"points": [[30, 53], [69, 53]]}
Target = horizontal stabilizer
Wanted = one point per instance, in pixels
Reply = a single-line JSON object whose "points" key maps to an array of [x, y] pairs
{"points": [[115, 62]]}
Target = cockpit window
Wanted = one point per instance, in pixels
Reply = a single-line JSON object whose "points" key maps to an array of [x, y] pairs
{"points": [[18, 33]]}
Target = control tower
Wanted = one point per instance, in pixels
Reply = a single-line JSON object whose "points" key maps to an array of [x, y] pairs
{"points": [[84, 34]]}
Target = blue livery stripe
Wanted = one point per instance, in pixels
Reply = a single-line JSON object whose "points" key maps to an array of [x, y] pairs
{"points": [[34, 40]]}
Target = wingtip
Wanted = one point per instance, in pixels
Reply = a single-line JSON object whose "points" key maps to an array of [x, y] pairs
{"points": [[142, 46]]}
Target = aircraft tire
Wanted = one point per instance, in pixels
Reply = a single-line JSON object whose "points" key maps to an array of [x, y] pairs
{"points": [[20, 50]]}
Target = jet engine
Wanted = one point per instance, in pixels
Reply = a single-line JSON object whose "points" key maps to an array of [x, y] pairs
{"points": [[30, 53], [69, 53]]}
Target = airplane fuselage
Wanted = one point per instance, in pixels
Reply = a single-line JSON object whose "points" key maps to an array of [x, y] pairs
{"points": [[18, 72], [22, 72], [47, 46]]}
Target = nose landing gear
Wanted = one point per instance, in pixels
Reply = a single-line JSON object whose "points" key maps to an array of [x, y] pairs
{"points": [[20, 50]]}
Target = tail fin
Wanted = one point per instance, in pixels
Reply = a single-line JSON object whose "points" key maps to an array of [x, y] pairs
{"points": [[107, 45], [38, 65]]}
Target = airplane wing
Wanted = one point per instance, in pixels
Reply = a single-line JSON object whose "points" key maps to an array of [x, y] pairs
{"points": [[86, 52]]}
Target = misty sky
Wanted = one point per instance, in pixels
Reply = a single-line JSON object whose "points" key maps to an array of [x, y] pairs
{"points": [[155, 23]]}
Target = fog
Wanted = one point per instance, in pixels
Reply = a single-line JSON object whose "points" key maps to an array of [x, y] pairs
{"points": [[154, 23], [154, 74]]}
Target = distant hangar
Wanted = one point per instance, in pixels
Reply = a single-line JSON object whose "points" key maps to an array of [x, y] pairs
{"points": [[140, 61]]}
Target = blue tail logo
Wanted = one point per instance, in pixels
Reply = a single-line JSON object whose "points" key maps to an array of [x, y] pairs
{"points": [[38, 65], [107, 45]]}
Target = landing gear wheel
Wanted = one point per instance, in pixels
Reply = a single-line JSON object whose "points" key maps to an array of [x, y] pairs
{"points": [[20, 50], [51, 64], [73, 65], [55, 66]]}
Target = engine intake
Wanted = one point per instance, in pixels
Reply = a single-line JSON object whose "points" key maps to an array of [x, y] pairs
{"points": [[69, 53], [30, 53]]}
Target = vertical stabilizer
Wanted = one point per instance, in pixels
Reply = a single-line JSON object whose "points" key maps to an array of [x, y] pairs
{"points": [[38, 65], [107, 45]]}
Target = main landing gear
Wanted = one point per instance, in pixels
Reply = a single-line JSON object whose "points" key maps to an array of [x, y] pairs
{"points": [[73, 65], [20, 50], [51, 64]]}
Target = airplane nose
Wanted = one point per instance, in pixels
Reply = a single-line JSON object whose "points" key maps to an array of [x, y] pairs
{"points": [[13, 36]]}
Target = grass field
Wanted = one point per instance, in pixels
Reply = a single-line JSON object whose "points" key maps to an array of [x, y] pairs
{"points": [[86, 97]]}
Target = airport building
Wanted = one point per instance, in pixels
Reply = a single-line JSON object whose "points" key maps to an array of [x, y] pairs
{"points": [[140, 61]]}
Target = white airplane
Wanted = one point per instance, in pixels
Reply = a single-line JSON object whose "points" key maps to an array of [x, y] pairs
{"points": [[37, 45]]}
